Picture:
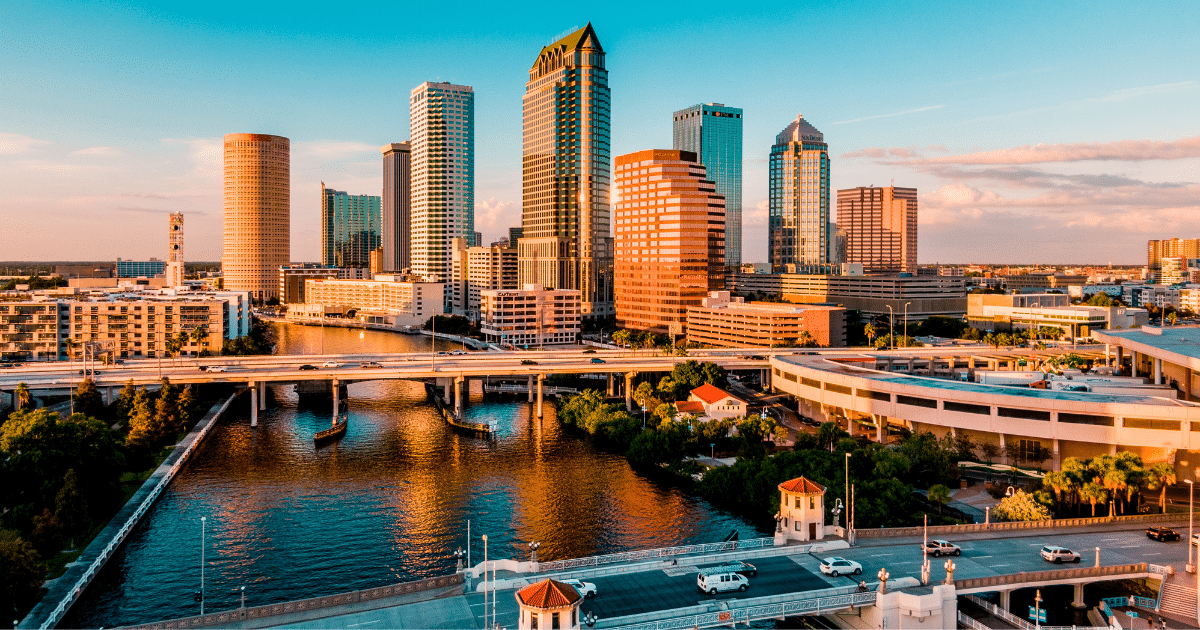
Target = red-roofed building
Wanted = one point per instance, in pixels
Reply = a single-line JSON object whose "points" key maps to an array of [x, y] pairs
{"points": [[548, 604], [718, 403], [801, 511], [694, 407]]}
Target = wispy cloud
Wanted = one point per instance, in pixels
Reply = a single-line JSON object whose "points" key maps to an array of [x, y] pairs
{"points": [[1130, 93], [14, 143], [1125, 150], [100, 151], [903, 113]]}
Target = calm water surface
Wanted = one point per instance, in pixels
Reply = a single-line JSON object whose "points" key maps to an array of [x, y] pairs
{"points": [[387, 503]]}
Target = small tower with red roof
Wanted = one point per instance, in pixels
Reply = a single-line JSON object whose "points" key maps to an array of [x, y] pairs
{"points": [[548, 604], [801, 510]]}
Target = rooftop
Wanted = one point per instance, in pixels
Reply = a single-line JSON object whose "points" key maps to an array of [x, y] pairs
{"points": [[801, 485], [711, 393], [1176, 344], [548, 594]]}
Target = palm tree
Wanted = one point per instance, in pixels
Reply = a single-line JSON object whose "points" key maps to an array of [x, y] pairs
{"points": [[622, 337], [939, 494], [1093, 493], [1159, 476], [1060, 483], [829, 433], [199, 335], [70, 345], [871, 333], [22, 396]]}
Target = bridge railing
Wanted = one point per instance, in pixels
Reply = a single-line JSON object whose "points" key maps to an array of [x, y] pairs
{"points": [[649, 554], [1029, 577], [1014, 620], [902, 532], [746, 611], [228, 617]]}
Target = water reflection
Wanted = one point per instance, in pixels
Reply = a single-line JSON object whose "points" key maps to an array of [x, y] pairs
{"points": [[390, 501]]}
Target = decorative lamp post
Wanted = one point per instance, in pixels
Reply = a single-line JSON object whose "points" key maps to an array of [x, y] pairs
{"points": [[533, 547], [883, 576], [905, 337], [458, 556], [847, 523], [949, 571], [778, 522], [243, 589], [1037, 609], [590, 619]]}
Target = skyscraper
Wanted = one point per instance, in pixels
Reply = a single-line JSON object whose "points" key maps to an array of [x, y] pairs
{"points": [[566, 240], [350, 228], [881, 228], [396, 213], [256, 213], [175, 270], [670, 246], [1156, 250], [798, 231], [714, 133], [442, 118]]}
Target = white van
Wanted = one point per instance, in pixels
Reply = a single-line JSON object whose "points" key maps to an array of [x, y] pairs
{"points": [[719, 580]]}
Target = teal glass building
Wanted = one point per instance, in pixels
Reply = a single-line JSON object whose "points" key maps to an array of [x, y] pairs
{"points": [[714, 133], [350, 228], [798, 229]]}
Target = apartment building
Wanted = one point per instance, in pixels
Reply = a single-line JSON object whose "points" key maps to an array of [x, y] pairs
{"points": [[33, 330], [723, 321], [530, 316]]}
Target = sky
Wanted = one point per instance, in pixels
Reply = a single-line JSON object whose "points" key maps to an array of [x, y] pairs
{"points": [[1034, 132]]}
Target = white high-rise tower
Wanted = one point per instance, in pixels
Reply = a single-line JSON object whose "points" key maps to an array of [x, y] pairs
{"points": [[175, 250]]}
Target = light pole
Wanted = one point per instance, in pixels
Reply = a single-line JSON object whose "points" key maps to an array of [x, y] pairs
{"points": [[485, 582], [201, 593], [643, 416], [1037, 610], [778, 522], [1191, 517], [243, 598], [458, 557], [891, 328], [847, 522], [712, 450], [533, 547], [905, 337]]}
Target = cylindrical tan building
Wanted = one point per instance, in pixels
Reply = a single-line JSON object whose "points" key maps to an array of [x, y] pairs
{"points": [[257, 212]]}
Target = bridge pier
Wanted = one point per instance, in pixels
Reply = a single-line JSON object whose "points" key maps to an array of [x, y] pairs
{"points": [[764, 380], [629, 390], [262, 395], [1077, 603], [253, 404], [108, 396], [610, 385], [880, 429], [540, 379], [337, 403], [458, 397], [447, 384], [1158, 379], [1005, 600], [530, 388]]}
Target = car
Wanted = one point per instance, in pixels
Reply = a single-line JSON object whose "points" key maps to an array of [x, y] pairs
{"points": [[938, 548], [585, 589], [6, 365], [837, 565], [202, 367], [120, 361], [589, 351], [714, 580], [746, 568], [458, 352], [92, 372], [1162, 534], [597, 360], [214, 369], [1058, 555], [371, 364], [753, 357], [528, 362], [332, 364], [443, 353], [306, 367]]}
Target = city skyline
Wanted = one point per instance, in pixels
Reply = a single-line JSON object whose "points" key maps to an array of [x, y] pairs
{"points": [[1022, 152]]}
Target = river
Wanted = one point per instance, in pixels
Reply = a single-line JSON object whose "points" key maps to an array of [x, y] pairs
{"points": [[389, 502]]}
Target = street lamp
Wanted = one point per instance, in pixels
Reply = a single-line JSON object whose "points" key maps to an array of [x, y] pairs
{"points": [[643, 415], [891, 328], [485, 581], [200, 593], [243, 589], [590, 619], [533, 547], [905, 337], [458, 556], [1037, 609], [847, 524], [778, 522], [1191, 517], [712, 450]]}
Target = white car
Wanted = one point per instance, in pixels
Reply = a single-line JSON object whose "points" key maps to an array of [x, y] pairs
{"points": [[215, 368], [586, 589], [937, 548], [332, 364], [837, 565], [1058, 555]]}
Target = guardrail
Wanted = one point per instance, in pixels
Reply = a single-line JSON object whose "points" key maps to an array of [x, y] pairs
{"points": [[747, 611], [1132, 601], [508, 387], [969, 621], [1016, 621], [1027, 577], [646, 554], [181, 456], [900, 532], [302, 605]]}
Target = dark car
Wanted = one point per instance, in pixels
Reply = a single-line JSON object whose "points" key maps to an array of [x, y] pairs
{"points": [[307, 367], [753, 357], [528, 362], [589, 351], [92, 372], [748, 570], [203, 368], [6, 365], [597, 360], [1162, 534], [371, 364]]}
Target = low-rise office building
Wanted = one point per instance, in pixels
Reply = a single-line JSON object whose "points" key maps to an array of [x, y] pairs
{"points": [[141, 268], [871, 295], [530, 316], [1032, 311], [722, 321], [489, 269], [292, 277], [386, 299]]}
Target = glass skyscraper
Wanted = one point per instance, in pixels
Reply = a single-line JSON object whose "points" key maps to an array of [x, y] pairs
{"points": [[798, 231], [566, 163], [397, 205], [714, 133], [350, 228]]}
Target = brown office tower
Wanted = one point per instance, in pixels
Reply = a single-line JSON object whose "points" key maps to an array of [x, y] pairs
{"points": [[257, 213], [566, 164], [670, 239], [881, 228]]}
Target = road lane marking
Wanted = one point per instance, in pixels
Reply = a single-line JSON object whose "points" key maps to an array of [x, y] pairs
{"points": [[365, 623]]}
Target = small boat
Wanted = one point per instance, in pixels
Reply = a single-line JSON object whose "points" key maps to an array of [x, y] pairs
{"points": [[336, 431]]}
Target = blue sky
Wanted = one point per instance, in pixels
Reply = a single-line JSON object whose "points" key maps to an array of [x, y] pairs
{"points": [[112, 112]]}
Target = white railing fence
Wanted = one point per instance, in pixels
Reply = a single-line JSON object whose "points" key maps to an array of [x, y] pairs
{"points": [[647, 554]]}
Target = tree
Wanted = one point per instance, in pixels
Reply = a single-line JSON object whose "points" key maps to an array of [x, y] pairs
{"points": [[713, 374], [70, 509], [144, 432], [622, 337], [125, 401], [186, 405], [971, 334], [21, 574], [47, 534], [1159, 476], [1100, 299], [1062, 483], [70, 344], [829, 433], [643, 393], [1093, 493], [989, 450], [88, 400], [940, 495], [22, 396], [1021, 506], [181, 340], [870, 331]]}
